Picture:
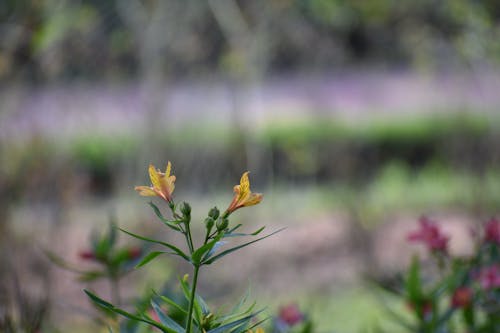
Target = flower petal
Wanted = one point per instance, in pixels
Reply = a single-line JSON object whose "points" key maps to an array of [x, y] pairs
{"points": [[155, 176], [168, 169], [253, 199], [145, 191]]}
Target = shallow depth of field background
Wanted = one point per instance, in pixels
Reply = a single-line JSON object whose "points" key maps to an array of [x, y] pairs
{"points": [[354, 118]]}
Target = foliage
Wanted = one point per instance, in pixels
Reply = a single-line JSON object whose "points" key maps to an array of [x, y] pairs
{"points": [[194, 315], [457, 293], [64, 39]]}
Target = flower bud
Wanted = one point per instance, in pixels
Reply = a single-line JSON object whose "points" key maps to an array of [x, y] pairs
{"points": [[186, 209], [222, 224], [209, 223], [214, 213]]}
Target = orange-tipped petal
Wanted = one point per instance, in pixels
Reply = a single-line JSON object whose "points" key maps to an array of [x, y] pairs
{"points": [[145, 191], [254, 199]]}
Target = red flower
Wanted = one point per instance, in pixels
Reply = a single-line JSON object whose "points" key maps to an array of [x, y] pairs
{"points": [[430, 235], [489, 277], [492, 231], [134, 252], [86, 255], [462, 297], [290, 314]]}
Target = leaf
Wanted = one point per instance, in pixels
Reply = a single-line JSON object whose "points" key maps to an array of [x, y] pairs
{"points": [[149, 258], [413, 287], [199, 253], [258, 231], [55, 259], [99, 301], [217, 257], [158, 212], [170, 246], [239, 234], [227, 327], [172, 303], [234, 229], [173, 224], [166, 320], [214, 249]]}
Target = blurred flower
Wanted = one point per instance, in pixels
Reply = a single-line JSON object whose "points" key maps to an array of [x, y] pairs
{"points": [[430, 235], [462, 297], [290, 314], [162, 184], [492, 231], [134, 252], [243, 197], [86, 255], [489, 277]]}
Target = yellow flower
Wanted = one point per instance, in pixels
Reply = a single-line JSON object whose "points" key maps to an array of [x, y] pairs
{"points": [[243, 197], [162, 184]]}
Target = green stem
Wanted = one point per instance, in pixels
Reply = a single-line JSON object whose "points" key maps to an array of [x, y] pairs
{"points": [[192, 298], [189, 239]]}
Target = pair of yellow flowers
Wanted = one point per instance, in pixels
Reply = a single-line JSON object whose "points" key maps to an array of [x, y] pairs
{"points": [[163, 185]]}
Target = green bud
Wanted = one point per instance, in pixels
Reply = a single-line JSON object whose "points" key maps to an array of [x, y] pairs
{"points": [[214, 213], [222, 224], [209, 223], [185, 209]]}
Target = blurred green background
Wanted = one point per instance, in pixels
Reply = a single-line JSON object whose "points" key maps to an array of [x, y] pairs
{"points": [[354, 118]]}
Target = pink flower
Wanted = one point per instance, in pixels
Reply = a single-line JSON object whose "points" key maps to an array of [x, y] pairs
{"points": [[489, 277], [492, 231], [86, 255], [462, 297], [290, 314], [430, 235]]}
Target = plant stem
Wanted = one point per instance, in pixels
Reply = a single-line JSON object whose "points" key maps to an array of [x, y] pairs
{"points": [[192, 299], [189, 239]]}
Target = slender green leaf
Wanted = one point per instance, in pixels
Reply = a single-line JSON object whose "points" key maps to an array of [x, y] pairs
{"points": [[198, 254], [240, 234], [217, 257], [158, 212], [225, 328], [258, 231], [242, 328], [413, 286], [166, 320], [173, 224], [172, 303], [149, 258], [170, 246], [99, 301]]}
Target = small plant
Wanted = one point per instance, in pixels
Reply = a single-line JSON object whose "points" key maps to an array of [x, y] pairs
{"points": [[456, 294], [191, 313], [109, 261]]}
